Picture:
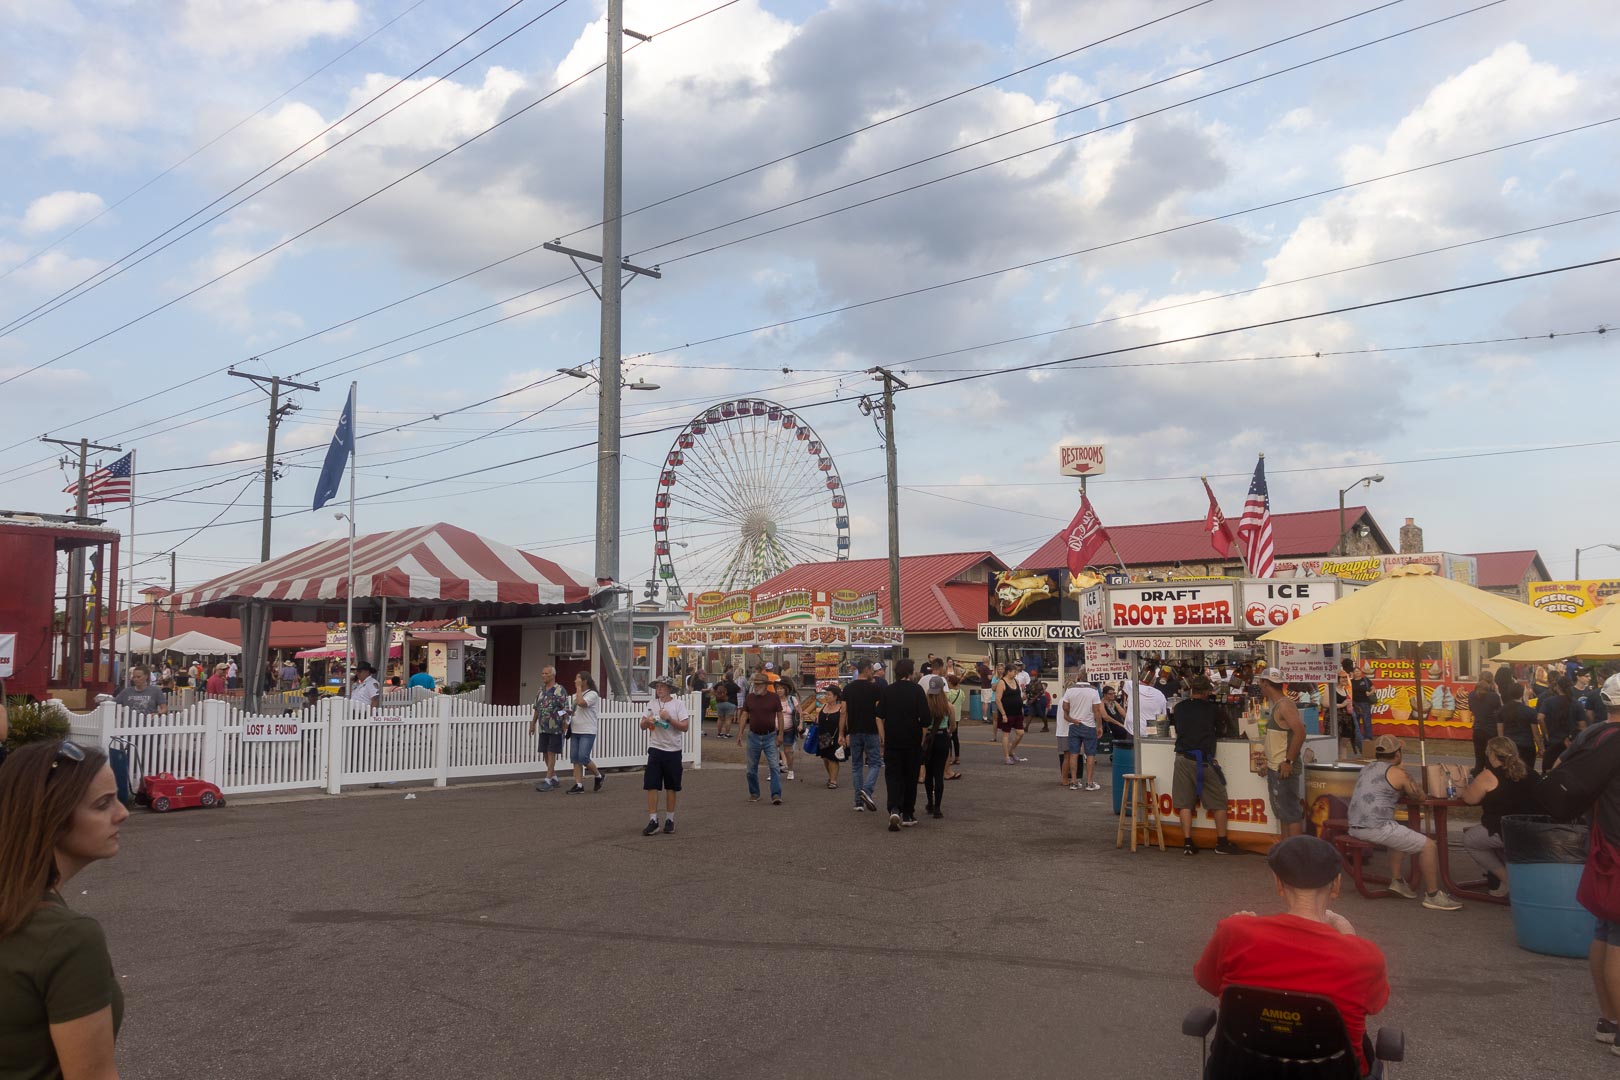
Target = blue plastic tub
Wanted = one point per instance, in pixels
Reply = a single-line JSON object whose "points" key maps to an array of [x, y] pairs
{"points": [[1545, 861], [1124, 762]]}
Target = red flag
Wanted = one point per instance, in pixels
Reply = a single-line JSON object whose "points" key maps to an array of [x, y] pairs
{"points": [[1215, 525], [1084, 535]]}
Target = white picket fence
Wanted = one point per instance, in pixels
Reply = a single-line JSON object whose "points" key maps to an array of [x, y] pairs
{"points": [[439, 739]]}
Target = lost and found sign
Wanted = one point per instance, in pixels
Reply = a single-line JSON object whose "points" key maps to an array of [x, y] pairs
{"points": [[270, 729]]}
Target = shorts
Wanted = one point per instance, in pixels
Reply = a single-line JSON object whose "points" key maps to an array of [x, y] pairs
{"points": [[790, 736], [724, 710], [1287, 795], [580, 747], [1608, 933], [551, 742], [1184, 786], [1082, 740], [663, 771], [1392, 836], [1010, 723]]}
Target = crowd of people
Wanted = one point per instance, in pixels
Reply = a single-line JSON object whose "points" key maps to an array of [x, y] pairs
{"points": [[60, 813]]}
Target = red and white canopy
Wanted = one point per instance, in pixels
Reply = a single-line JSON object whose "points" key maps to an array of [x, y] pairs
{"points": [[430, 571]]}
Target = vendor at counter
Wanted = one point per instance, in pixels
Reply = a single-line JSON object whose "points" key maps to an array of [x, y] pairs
{"points": [[1198, 779], [1285, 741]]}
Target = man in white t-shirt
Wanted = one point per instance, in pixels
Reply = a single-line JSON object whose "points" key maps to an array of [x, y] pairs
{"points": [[1020, 676], [1153, 707], [230, 675], [1079, 716], [665, 722], [365, 687]]}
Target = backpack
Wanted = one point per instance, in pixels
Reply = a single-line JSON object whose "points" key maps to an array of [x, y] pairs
{"points": [[1583, 771]]}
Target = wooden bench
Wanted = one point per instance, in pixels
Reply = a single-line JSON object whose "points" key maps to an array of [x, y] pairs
{"points": [[1355, 854]]}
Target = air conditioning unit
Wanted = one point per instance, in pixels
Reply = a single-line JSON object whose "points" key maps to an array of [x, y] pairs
{"points": [[570, 642]]}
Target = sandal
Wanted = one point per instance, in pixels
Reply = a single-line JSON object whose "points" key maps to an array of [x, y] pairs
{"points": [[953, 776], [831, 786]]}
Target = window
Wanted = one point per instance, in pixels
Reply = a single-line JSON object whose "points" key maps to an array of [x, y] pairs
{"points": [[570, 641], [641, 673]]}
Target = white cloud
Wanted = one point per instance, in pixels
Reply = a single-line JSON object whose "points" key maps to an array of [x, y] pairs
{"points": [[262, 26], [59, 210]]}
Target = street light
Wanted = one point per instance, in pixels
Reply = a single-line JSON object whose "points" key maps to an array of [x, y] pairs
{"points": [[1589, 547], [1368, 481], [581, 373]]}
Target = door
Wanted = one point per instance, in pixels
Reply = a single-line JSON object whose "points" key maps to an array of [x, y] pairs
{"points": [[505, 660]]}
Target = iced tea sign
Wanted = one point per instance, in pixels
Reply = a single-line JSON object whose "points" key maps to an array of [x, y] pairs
{"points": [[1082, 460]]}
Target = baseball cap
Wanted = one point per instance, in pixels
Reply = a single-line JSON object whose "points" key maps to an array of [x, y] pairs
{"points": [[1304, 862], [934, 684], [1386, 746], [1611, 691], [769, 666], [1274, 676], [1200, 684]]}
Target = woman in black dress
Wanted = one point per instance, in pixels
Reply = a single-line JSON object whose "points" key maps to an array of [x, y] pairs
{"points": [[830, 714], [1010, 707]]}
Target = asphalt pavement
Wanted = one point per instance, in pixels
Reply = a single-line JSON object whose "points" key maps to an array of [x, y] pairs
{"points": [[492, 931]]}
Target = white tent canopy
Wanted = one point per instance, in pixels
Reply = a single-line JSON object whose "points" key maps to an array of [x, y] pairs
{"points": [[141, 643], [195, 643]]}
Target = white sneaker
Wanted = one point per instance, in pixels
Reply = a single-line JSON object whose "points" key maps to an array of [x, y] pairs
{"points": [[1440, 901], [1074, 787], [1500, 890], [790, 775], [1401, 888], [1093, 787]]}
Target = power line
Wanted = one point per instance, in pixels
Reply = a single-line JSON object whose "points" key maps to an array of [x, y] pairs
{"points": [[105, 210], [660, 202], [1281, 321], [75, 291]]}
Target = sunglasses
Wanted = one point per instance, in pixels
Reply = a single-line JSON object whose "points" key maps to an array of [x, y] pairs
{"points": [[69, 750]]}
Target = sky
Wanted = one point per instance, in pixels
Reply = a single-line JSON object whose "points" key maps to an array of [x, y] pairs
{"points": [[1027, 181]]}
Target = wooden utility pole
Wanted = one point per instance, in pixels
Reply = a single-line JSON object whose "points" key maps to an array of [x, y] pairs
{"points": [[278, 412], [890, 381], [75, 588]]}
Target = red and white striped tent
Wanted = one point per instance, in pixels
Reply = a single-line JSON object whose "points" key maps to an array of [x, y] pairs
{"points": [[427, 572]]}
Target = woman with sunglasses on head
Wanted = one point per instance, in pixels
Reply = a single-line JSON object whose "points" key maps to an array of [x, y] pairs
{"points": [[60, 1003]]}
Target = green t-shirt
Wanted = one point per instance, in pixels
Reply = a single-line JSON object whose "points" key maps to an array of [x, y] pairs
{"points": [[55, 968]]}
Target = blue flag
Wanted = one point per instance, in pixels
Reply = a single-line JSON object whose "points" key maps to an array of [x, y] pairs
{"points": [[337, 455]]}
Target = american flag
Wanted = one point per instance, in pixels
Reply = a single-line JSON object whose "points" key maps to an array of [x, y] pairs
{"points": [[111, 483], [1254, 527]]}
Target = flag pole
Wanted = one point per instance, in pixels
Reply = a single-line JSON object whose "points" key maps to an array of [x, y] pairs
{"points": [[348, 615], [129, 580]]}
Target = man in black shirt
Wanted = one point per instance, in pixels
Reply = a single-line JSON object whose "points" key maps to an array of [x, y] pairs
{"points": [[1198, 777], [902, 717], [858, 730], [1486, 706], [1361, 703]]}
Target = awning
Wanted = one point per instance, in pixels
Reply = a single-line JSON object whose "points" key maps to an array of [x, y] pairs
{"points": [[337, 654], [429, 571], [449, 636], [191, 643]]}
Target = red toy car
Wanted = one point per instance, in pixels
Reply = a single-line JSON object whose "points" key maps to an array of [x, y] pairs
{"points": [[167, 792]]}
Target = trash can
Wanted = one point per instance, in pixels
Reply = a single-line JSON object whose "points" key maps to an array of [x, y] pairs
{"points": [[975, 704], [1545, 861], [1124, 762]]}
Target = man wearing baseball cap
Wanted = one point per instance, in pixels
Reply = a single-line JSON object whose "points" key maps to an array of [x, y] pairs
{"points": [[1378, 789], [1307, 949], [665, 722], [1285, 742]]}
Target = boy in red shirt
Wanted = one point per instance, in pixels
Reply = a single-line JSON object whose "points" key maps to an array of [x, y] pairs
{"points": [[1308, 949]]}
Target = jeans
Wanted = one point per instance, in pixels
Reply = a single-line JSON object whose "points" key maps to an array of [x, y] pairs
{"points": [[1363, 720], [763, 744], [937, 760], [865, 760], [900, 778]]}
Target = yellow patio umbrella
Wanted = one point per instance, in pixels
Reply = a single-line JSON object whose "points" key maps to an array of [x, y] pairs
{"points": [[1592, 635], [1411, 604]]}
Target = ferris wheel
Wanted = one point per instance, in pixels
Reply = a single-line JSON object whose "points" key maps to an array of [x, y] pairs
{"points": [[746, 491]]}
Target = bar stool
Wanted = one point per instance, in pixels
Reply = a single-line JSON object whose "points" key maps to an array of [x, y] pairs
{"points": [[1140, 809]]}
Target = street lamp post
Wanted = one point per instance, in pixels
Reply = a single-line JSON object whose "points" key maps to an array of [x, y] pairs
{"points": [[1589, 547], [1369, 481]]}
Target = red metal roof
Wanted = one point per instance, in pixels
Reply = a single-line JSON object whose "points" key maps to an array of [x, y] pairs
{"points": [[931, 601], [1312, 532], [1506, 569]]}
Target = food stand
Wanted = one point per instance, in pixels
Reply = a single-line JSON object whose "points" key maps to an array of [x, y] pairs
{"points": [[1209, 616], [820, 632]]}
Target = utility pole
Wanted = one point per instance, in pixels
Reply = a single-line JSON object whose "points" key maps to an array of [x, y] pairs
{"points": [[278, 412], [171, 593], [75, 590], [890, 381], [610, 381]]}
